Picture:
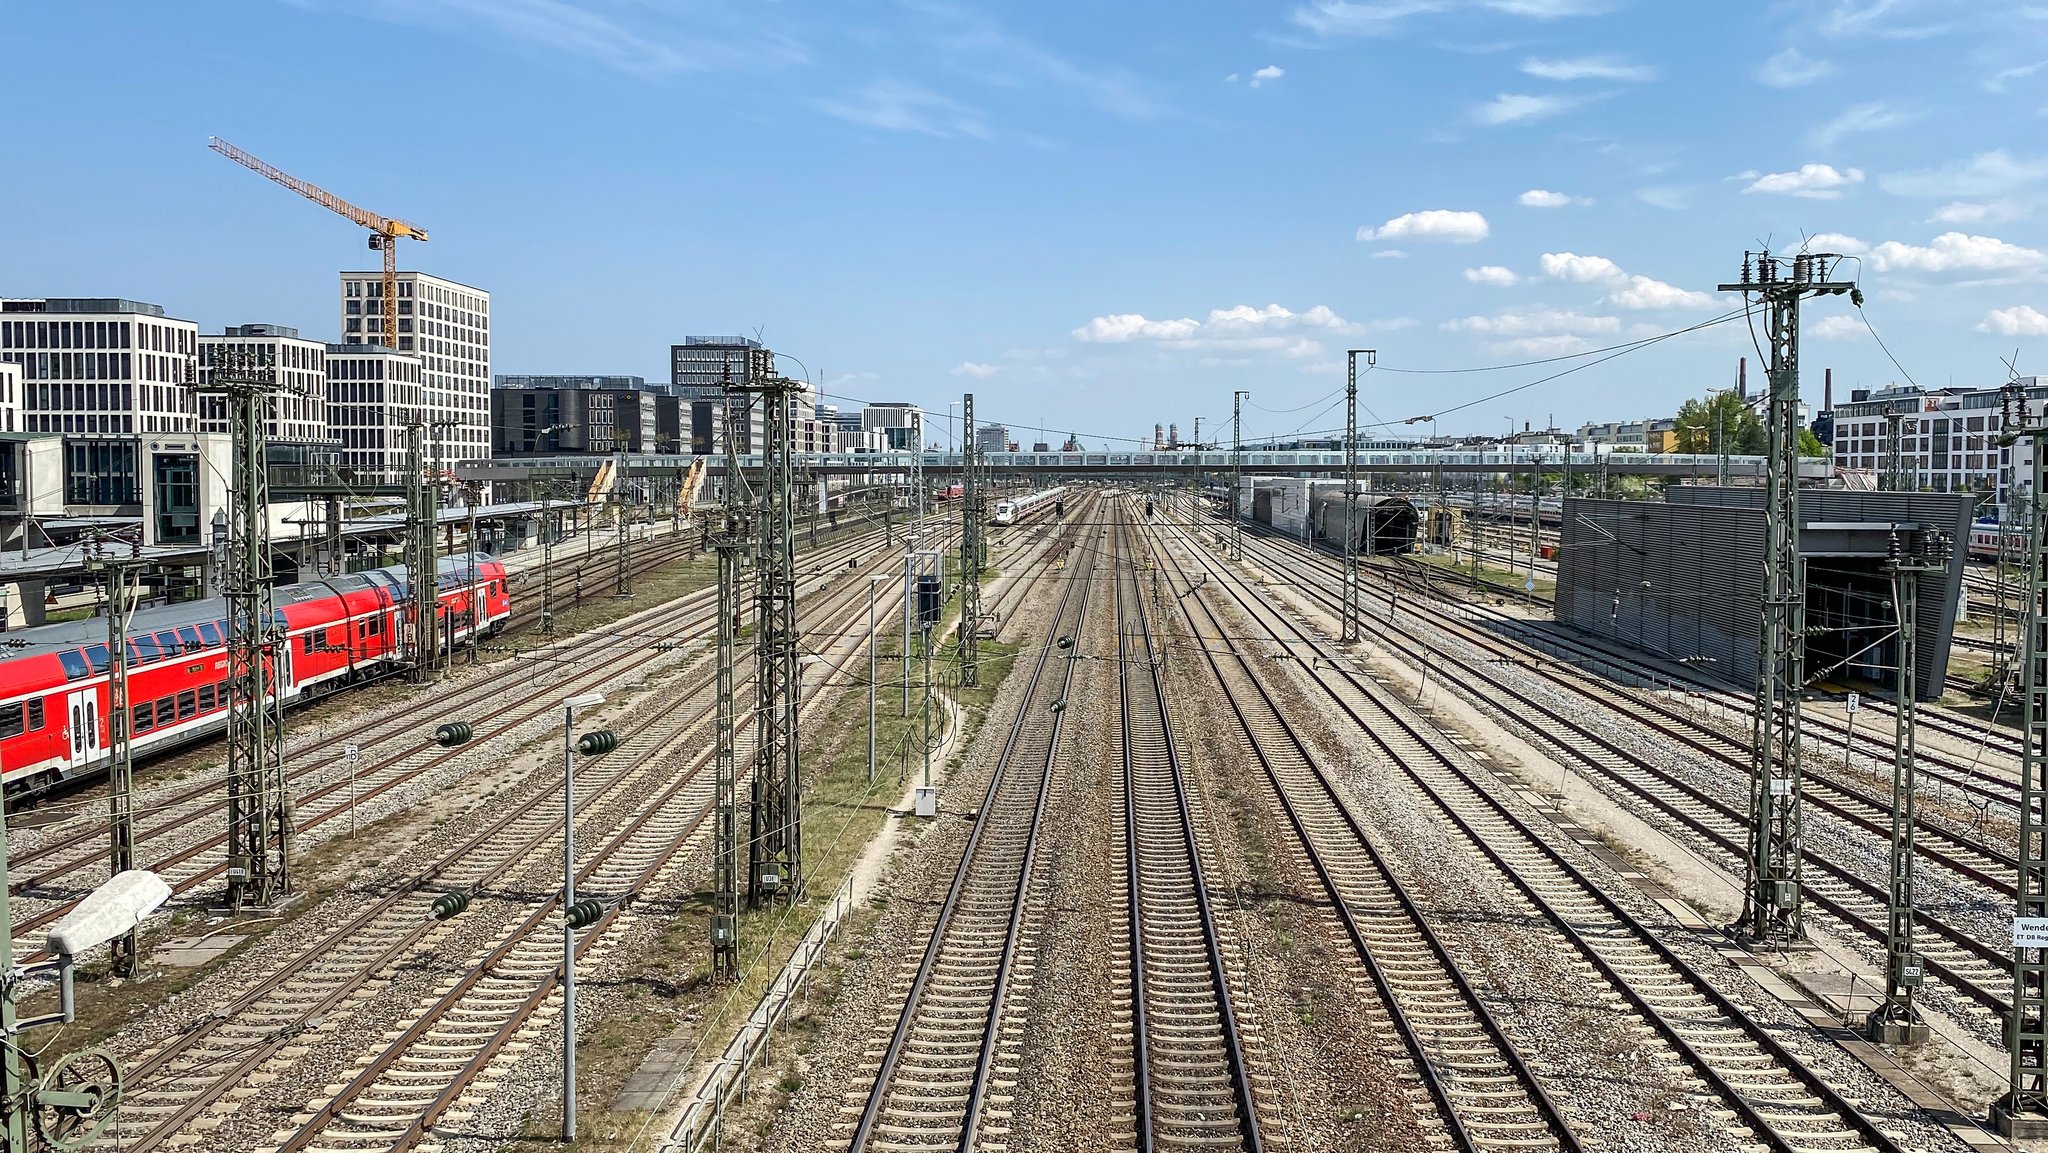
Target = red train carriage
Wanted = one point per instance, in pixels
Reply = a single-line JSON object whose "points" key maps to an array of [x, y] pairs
{"points": [[340, 630]]}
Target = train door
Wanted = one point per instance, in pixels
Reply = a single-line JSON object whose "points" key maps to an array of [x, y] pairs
{"points": [[82, 720]]}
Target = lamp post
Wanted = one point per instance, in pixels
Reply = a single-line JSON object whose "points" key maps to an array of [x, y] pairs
{"points": [[569, 707]]}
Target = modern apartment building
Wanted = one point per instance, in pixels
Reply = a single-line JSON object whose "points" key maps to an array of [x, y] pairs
{"points": [[372, 393], [102, 371], [448, 326], [10, 397], [991, 438], [898, 423], [539, 415], [702, 367], [298, 409]]}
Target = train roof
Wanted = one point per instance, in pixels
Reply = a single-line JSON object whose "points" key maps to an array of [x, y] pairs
{"points": [[93, 630]]}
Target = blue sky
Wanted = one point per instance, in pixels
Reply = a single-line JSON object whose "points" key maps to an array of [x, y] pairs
{"points": [[1093, 215]]}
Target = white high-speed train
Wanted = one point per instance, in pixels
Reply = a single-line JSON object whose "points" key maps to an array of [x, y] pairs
{"points": [[1017, 510]]}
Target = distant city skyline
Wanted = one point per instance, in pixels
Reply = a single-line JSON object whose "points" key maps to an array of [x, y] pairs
{"points": [[1096, 219]]}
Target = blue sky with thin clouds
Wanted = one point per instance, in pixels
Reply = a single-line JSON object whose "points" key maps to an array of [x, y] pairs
{"points": [[1093, 215]]}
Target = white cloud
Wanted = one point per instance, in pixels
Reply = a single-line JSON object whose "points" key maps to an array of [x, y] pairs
{"points": [[1966, 212], [1993, 173], [2020, 320], [1886, 19], [1562, 344], [1957, 252], [1834, 327], [1334, 18], [1793, 68], [1511, 108], [1644, 293], [895, 106], [1872, 117], [1549, 9], [1432, 224], [1812, 181], [2004, 77], [1544, 198], [1230, 79], [1580, 269], [1588, 68], [1835, 242], [1492, 274], [1534, 322], [977, 371], [1390, 254], [1240, 331], [1269, 72]]}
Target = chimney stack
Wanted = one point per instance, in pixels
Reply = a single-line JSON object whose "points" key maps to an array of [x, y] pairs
{"points": [[1742, 378], [1827, 391]]}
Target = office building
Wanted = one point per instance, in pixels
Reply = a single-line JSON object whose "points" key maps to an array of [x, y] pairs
{"points": [[898, 422], [538, 415], [991, 438], [297, 411], [372, 393], [448, 326], [1948, 438], [702, 367], [10, 397], [101, 371]]}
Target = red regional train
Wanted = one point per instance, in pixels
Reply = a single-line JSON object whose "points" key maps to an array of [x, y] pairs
{"points": [[340, 630]]}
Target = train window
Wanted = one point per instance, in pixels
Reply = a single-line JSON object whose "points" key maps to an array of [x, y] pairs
{"points": [[74, 664], [190, 637], [188, 703], [10, 722], [211, 632], [145, 717], [376, 626], [166, 645], [143, 649], [166, 708], [99, 658], [35, 715], [206, 704]]}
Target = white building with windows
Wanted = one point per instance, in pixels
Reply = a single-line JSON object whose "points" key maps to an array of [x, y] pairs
{"points": [[10, 397], [1948, 439], [102, 372], [298, 409], [372, 391], [447, 325]]}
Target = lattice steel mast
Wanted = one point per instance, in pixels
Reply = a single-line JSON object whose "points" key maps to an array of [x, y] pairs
{"points": [[731, 541], [1237, 472], [971, 558], [121, 759], [1772, 901], [1351, 630], [259, 806], [775, 842], [2023, 1112]]}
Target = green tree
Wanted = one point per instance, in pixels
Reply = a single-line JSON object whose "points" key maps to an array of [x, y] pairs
{"points": [[1810, 445], [1705, 425]]}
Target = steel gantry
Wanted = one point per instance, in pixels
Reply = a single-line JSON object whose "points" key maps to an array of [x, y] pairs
{"points": [[1772, 902], [259, 806], [2023, 1112], [775, 838]]}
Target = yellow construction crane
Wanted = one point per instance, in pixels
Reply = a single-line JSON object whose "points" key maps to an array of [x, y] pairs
{"points": [[384, 231]]}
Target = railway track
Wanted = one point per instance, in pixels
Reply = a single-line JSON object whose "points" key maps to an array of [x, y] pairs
{"points": [[330, 787], [932, 1084], [1960, 957], [1466, 1071], [640, 818], [1192, 1088], [1736, 1061]]}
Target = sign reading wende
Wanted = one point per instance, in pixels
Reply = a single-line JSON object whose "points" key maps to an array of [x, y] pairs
{"points": [[2030, 932]]}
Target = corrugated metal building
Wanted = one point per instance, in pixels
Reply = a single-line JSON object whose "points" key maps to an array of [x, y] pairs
{"points": [[1683, 579]]}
